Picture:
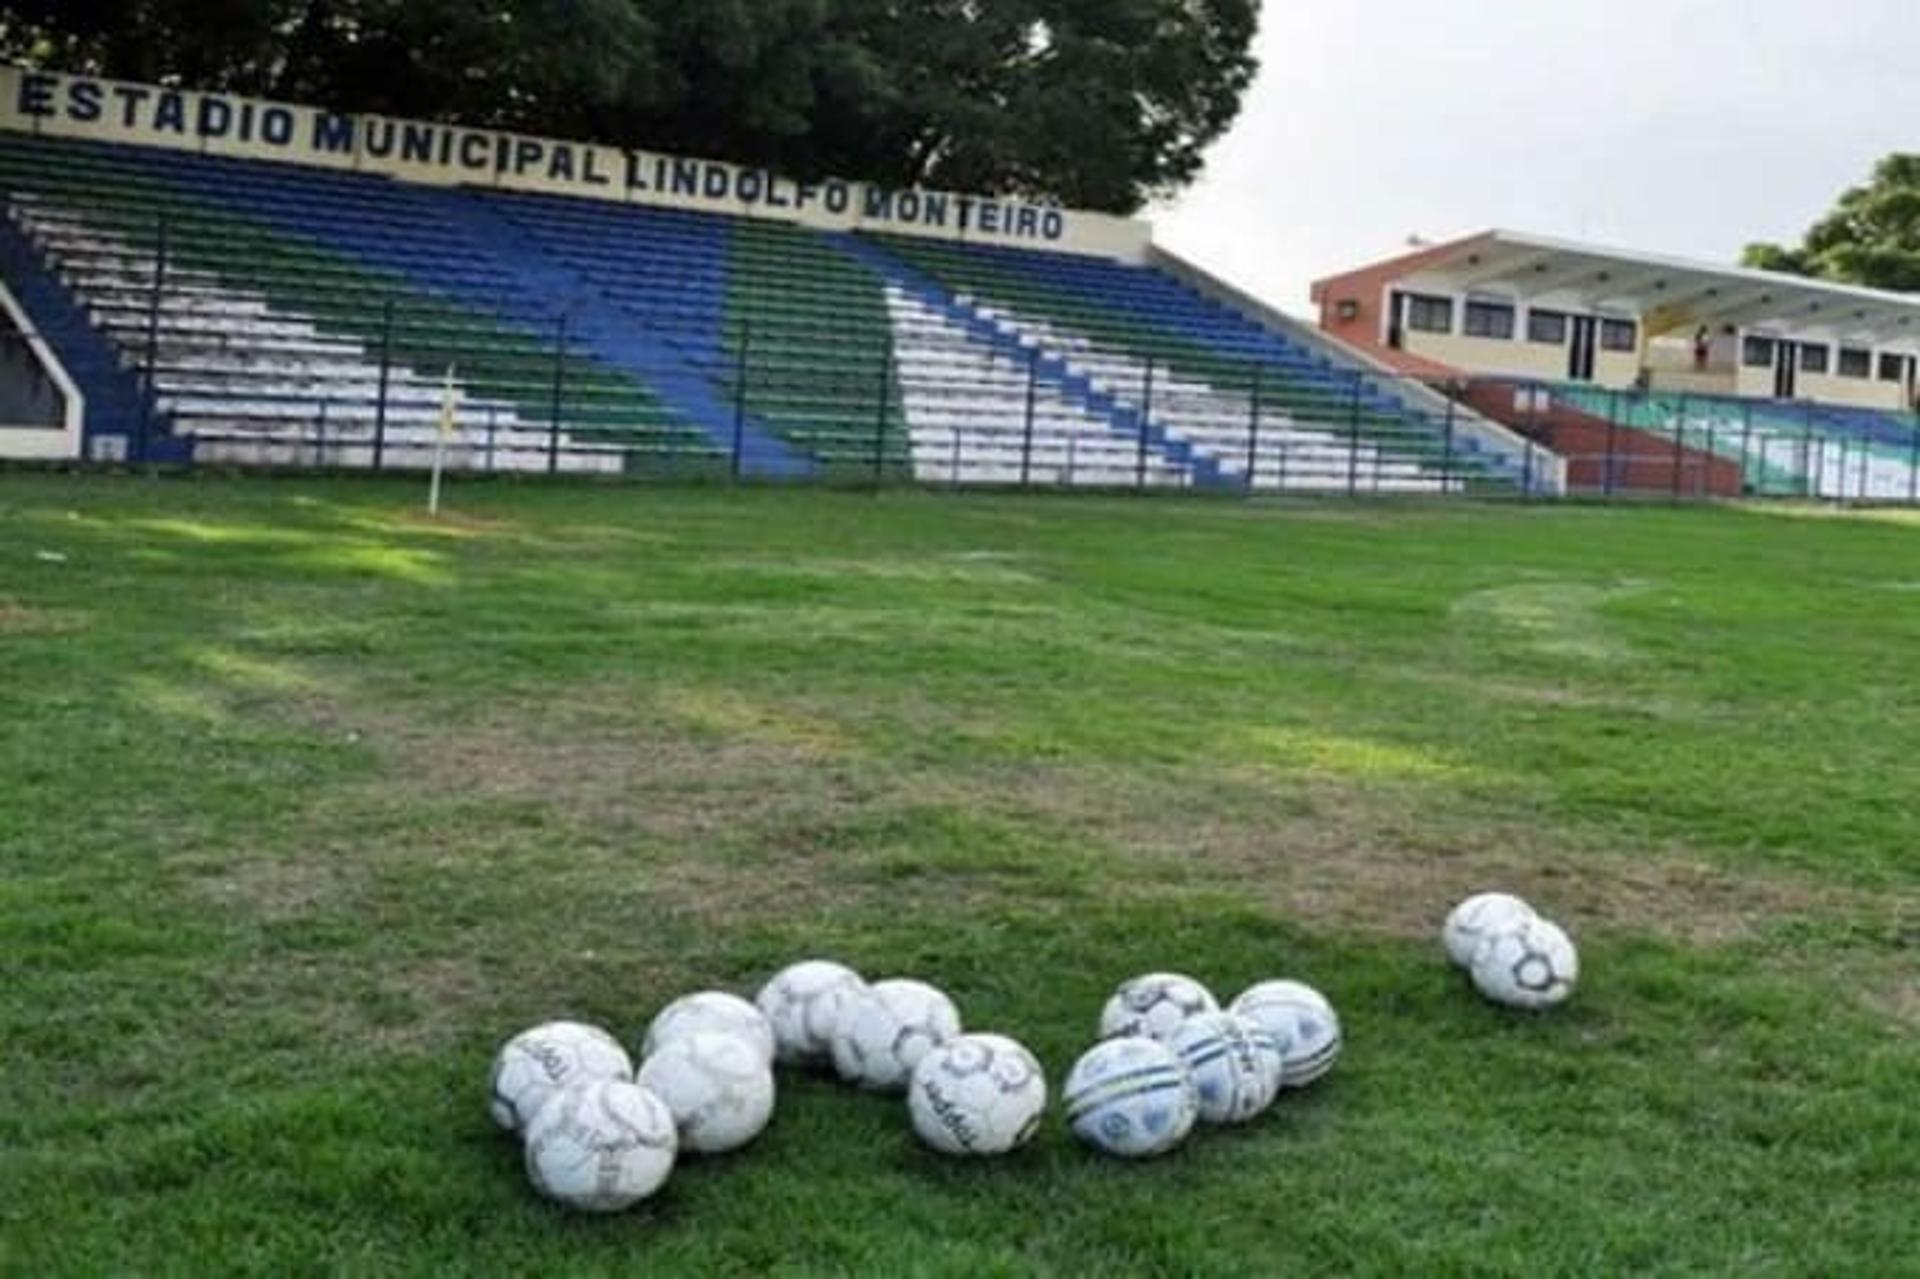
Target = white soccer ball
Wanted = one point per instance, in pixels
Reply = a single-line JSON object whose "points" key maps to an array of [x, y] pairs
{"points": [[977, 1095], [600, 1146], [886, 1029], [1131, 1097], [1532, 965], [1235, 1064], [718, 1087], [709, 1010], [537, 1063], [1303, 1022], [1476, 919], [802, 1003], [1154, 1006]]}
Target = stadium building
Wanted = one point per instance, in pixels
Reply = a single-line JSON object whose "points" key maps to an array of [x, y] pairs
{"points": [[194, 278], [198, 278], [1649, 372]]}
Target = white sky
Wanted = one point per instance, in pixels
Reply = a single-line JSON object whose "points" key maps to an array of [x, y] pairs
{"points": [[1687, 127]]}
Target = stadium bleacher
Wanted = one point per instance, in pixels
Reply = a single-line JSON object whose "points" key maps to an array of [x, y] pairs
{"points": [[1153, 346], [288, 315]]}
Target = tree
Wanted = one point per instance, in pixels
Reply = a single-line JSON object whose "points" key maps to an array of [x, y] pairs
{"points": [[1872, 237], [1103, 104]]}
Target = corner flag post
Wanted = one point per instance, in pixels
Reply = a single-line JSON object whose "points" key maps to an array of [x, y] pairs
{"points": [[440, 439]]}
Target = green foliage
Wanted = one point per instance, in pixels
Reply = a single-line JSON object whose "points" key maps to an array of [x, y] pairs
{"points": [[1872, 237], [1100, 103]]}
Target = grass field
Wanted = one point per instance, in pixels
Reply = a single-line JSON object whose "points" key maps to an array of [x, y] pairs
{"points": [[306, 803]]}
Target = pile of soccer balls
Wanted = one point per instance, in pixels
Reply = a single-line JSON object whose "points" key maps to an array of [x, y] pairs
{"points": [[1515, 956], [1169, 1057], [601, 1136]]}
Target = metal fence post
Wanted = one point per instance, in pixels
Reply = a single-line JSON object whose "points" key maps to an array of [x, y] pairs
{"points": [[741, 370], [1613, 442], [386, 377], [493, 430], [1809, 485], [559, 391], [1353, 438], [1746, 440], [1446, 445], [880, 415], [1140, 452], [1705, 486], [1282, 457], [1913, 464], [1026, 430], [320, 437], [1678, 445], [1253, 428], [152, 358]]}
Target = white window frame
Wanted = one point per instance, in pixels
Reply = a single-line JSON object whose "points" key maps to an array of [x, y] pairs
{"points": [[37, 443]]}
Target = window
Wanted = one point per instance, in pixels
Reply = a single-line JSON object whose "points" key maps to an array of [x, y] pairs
{"points": [[1619, 335], [1757, 353], [1490, 320], [1429, 315], [1893, 368], [1547, 327], [1855, 362], [1813, 357]]}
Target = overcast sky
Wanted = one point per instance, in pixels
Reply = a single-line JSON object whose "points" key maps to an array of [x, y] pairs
{"points": [[1687, 127]]}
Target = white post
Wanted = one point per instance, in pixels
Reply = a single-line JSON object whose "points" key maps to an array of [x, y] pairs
{"points": [[440, 444]]}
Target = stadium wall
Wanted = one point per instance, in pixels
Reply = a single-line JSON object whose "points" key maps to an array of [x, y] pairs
{"points": [[59, 105]]}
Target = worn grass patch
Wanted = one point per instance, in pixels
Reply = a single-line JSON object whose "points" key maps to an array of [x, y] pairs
{"points": [[309, 801]]}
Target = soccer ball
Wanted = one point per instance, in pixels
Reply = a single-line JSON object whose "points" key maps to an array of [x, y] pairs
{"points": [[1303, 1022], [977, 1095], [600, 1146], [718, 1087], [1532, 965], [710, 1010], [1154, 1006], [802, 1003], [1131, 1097], [536, 1063], [884, 1031], [1235, 1065], [1476, 919]]}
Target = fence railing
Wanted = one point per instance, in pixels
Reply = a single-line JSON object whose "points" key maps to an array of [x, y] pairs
{"points": [[360, 382]]}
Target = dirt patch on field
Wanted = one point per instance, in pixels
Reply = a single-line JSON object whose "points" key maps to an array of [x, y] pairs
{"points": [[594, 747], [279, 888], [733, 806], [1899, 1001], [17, 619], [1386, 860]]}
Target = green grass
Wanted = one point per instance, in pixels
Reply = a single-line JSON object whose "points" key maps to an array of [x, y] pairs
{"points": [[307, 803]]}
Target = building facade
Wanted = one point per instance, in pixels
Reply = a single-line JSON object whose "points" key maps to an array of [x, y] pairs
{"points": [[1506, 305]]}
